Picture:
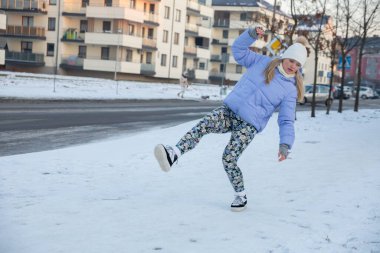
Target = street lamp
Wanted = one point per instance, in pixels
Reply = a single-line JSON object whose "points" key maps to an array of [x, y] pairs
{"points": [[119, 32]]}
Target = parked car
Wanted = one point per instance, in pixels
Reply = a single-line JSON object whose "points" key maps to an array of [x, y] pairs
{"points": [[346, 94], [365, 92], [321, 94]]}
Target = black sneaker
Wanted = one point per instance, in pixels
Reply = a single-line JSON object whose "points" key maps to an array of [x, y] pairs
{"points": [[239, 204], [165, 156]]}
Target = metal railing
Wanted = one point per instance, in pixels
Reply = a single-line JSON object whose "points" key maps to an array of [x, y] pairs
{"points": [[24, 57], [72, 60], [23, 5], [16, 30]]}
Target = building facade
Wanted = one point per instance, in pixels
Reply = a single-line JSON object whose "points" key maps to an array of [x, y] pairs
{"points": [[121, 39], [3, 27], [134, 39]]}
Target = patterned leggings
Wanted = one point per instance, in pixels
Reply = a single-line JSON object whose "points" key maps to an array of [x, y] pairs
{"points": [[223, 120]]}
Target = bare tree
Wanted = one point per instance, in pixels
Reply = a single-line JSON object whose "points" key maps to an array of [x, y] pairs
{"points": [[315, 27], [346, 29], [370, 8], [333, 55]]}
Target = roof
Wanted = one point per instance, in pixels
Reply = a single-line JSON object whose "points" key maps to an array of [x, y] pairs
{"points": [[246, 3], [252, 3]]}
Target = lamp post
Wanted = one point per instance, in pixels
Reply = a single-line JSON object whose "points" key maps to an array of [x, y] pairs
{"points": [[119, 31]]}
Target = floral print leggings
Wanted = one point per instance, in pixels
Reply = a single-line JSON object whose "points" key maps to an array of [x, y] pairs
{"points": [[223, 120]]}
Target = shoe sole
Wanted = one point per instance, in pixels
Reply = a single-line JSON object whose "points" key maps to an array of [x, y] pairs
{"points": [[160, 154], [238, 209]]}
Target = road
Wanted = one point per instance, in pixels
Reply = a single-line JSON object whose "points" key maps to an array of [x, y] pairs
{"points": [[31, 126]]}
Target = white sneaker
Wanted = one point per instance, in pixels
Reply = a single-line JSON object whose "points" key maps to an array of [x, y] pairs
{"points": [[165, 156], [239, 204]]}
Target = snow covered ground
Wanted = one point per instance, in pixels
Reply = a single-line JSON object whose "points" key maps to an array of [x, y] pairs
{"points": [[111, 196]]}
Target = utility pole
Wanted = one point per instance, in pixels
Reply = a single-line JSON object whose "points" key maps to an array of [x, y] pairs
{"points": [[119, 33], [57, 42]]}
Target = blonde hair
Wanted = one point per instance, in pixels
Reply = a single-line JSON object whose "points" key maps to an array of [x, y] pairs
{"points": [[269, 74]]}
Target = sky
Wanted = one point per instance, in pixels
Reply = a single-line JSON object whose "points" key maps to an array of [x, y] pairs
{"points": [[111, 196]]}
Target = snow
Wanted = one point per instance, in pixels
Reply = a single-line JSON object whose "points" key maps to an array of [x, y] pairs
{"points": [[111, 196]]}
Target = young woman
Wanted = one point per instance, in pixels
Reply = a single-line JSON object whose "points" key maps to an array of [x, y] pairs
{"points": [[267, 84]]}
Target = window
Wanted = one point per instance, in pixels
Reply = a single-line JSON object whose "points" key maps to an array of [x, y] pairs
{"points": [[175, 61], [27, 21], [82, 51], [176, 38], [202, 66], [149, 57], [83, 26], [106, 26], [151, 8], [132, 4], [165, 36], [167, 12], [163, 60], [50, 49], [243, 16], [225, 34], [52, 2], [107, 2], [105, 54], [239, 69], [150, 33], [131, 29], [51, 24], [129, 55], [85, 3], [221, 68], [178, 15], [186, 41], [26, 46]]}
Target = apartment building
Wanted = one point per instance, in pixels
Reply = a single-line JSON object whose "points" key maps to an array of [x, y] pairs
{"points": [[121, 39], [231, 18], [3, 27], [311, 25]]}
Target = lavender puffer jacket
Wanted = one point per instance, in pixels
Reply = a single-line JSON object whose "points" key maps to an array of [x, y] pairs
{"points": [[253, 100]]}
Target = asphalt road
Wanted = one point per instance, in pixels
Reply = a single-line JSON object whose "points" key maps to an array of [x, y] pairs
{"points": [[31, 126]]}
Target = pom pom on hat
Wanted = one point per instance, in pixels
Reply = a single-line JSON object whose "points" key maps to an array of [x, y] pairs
{"points": [[297, 51]]}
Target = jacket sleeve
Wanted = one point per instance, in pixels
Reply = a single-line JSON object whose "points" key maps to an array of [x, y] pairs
{"points": [[241, 52], [286, 118]]}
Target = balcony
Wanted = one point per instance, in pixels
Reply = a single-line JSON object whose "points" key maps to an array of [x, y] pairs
{"points": [[114, 12], [26, 6], [224, 58], [111, 65], [71, 35], [75, 10], [191, 29], [193, 8], [148, 69], [113, 39], [190, 51], [151, 19], [223, 23], [203, 53], [24, 59], [149, 44], [14, 31], [71, 62]]}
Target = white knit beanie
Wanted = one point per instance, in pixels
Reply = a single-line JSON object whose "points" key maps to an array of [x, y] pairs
{"points": [[297, 52]]}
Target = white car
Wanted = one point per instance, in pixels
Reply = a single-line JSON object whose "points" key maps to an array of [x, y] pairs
{"points": [[365, 92]]}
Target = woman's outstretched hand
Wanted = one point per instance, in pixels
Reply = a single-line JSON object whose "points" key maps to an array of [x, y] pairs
{"points": [[283, 152]]}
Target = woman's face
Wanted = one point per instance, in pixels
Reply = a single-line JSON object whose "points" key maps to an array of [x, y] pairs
{"points": [[290, 66]]}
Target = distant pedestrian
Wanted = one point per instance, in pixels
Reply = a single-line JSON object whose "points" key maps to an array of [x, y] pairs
{"points": [[184, 85]]}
